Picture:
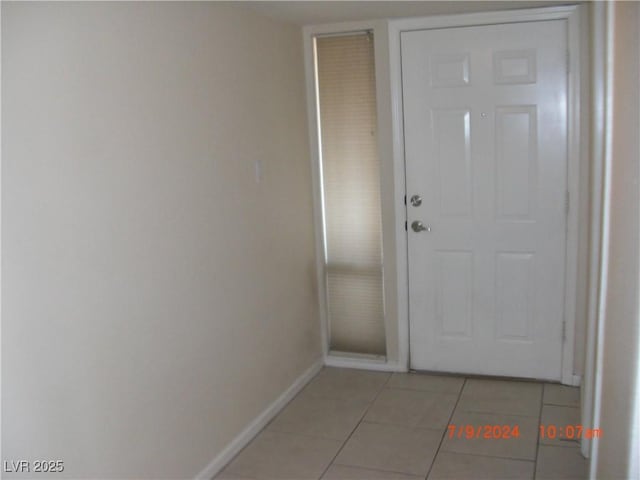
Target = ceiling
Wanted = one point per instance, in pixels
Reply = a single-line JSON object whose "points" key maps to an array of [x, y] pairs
{"points": [[316, 12]]}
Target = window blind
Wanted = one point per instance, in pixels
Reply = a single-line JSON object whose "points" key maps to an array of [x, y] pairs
{"points": [[351, 193]]}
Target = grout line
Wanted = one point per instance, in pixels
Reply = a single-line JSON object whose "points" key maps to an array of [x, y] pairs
{"points": [[561, 405], [574, 444], [446, 429], [332, 462], [296, 434], [385, 384], [400, 425], [486, 455], [494, 456], [535, 465], [422, 390], [375, 470], [487, 412]]}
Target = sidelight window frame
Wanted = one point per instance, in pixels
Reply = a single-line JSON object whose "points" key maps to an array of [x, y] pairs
{"points": [[381, 60]]}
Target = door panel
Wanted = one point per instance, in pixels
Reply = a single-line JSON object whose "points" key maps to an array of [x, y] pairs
{"points": [[516, 158], [453, 159], [453, 298], [485, 114]]}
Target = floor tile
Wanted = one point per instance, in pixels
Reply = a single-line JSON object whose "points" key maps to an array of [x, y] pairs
{"points": [[344, 472], [347, 383], [412, 408], [560, 417], [391, 448], [500, 396], [560, 463], [333, 418], [426, 383], [522, 448], [555, 394], [274, 455], [399, 423], [459, 466]]}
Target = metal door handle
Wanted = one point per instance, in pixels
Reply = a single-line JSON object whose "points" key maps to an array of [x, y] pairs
{"points": [[416, 200], [418, 226]]}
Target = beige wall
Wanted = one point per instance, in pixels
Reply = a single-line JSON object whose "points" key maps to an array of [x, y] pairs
{"points": [[156, 298], [620, 351]]}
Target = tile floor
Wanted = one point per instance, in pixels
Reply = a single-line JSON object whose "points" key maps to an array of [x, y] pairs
{"points": [[361, 425]]}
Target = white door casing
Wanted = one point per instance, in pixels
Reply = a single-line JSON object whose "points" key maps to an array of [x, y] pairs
{"points": [[485, 128]]}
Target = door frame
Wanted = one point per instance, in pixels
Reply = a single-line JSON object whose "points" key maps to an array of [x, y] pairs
{"points": [[570, 14]]}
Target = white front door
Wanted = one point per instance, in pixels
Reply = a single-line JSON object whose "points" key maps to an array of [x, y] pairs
{"points": [[485, 120]]}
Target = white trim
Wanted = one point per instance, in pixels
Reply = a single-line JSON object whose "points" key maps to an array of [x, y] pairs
{"points": [[483, 18], [379, 42], [257, 424], [634, 463], [316, 180], [598, 76], [576, 380], [573, 186], [399, 179], [571, 15], [1, 210], [604, 241], [363, 364], [310, 31]]}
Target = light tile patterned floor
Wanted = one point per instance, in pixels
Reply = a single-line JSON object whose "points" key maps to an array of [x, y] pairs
{"points": [[361, 425]]}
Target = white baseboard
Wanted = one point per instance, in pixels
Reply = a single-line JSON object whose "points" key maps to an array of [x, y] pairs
{"points": [[577, 380], [257, 424], [362, 363]]}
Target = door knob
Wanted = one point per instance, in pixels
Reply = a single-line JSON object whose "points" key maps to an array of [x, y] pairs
{"points": [[418, 226], [416, 200]]}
